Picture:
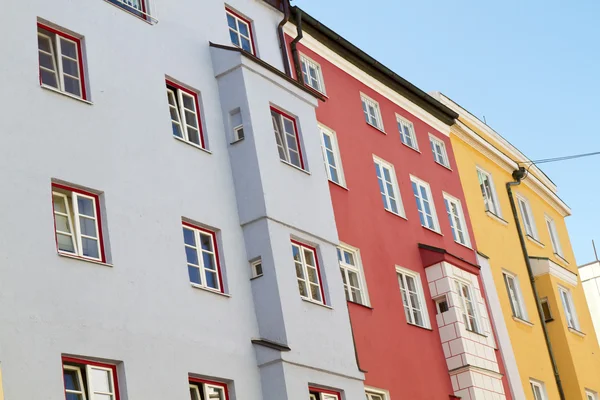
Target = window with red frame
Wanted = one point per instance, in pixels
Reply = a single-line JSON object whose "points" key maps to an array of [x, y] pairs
{"points": [[202, 257], [184, 107], [89, 380], [308, 273], [286, 136], [201, 389], [322, 394], [240, 31], [61, 61], [77, 222]]}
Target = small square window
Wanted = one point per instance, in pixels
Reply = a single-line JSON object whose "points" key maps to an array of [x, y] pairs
{"points": [[202, 256], [287, 138], [352, 275], [201, 389], [425, 205], [413, 297], [308, 273], [407, 132], [312, 74], [441, 304], [240, 31], [83, 378], [256, 268], [331, 156], [61, 61], [184, 107], [322, 394], [372, 112], [457, 220], [438, 147], [388, 187]]}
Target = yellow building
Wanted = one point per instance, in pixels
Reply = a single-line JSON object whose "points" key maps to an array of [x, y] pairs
{"points": [[486, 162]]}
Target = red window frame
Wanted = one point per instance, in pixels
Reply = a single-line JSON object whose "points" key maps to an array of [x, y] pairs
{"points": [[98, 218], [197, 100], [314, 250], [216, 245], [331, 392], [293, 119], [83, 361], [193, 380], [79, 54], [250, 29]]}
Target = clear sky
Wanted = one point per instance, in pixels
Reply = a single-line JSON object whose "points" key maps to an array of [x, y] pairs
{"points": [[530, 67]]}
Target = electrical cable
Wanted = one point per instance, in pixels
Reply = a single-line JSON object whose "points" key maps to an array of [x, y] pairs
{"points": [[547, 160]]}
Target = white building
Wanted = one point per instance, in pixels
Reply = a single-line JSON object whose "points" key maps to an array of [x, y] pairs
{"points": [[590, 279]]}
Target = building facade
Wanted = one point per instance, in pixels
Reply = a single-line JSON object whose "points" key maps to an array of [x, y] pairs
{"points": [[590, 279]]}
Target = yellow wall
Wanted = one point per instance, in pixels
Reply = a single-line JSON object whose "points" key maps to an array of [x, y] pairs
{"points": [[1, 391]]}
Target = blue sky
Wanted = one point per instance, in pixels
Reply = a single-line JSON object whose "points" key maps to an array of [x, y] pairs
{"points": [[530, 67]]}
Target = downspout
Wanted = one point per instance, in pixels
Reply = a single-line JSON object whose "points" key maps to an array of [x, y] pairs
{"points": [[293, 46], [282, 44], [518, 175]]}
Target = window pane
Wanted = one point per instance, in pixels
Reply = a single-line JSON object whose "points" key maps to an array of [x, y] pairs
{"points": [[206, 241], [189, 237], [234, 38], [193, 135], [211, 279], [48, 78], [62, 223], [86, 206], [243, 28], [191, 255], [72, 86], [71, 380], [209, 261], [302, 288], [231, 22], [47, 61], [87, 226], [68, 48], [194, 274], [44, 44], [65, 243], [70, 67], [101, 380], [315, 292], [90, 247], [215, 393]]}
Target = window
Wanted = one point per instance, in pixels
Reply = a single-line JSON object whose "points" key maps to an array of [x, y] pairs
{"points": [[486, 184], [286, 135], [77, 222], [441, 304], [569, 307], [438, 147], [185, 114], [61, 61], [372, 394], [457, 220], [201, 389], [352, 275], [553, 236], [407, 132], [331, 156], [240, 31], [312, 74], [372, 113], [538, 389], [546, 310], [256, 267], [425, 204], [136, 7], [590, 395], [514, 295], [412, 297], [237, 125], [322, 394], [89, 380], [527, 217], [467, 306], [202, 257], [388, 187], [307, 272]]}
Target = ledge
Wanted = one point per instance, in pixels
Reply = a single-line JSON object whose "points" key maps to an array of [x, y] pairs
{"points": [[192, 144], [293, 166], [496, 217], [433, 230], [374, 127], [412, 148], [477, 333], [55, 90], [74, 257], [561, 258], [396, 214], [338, 184], [271, 344], [419, 326], [445, 166], [359, 304], [576, 332], [196, 286], [316, 303], [522, 321], [535, 241]]}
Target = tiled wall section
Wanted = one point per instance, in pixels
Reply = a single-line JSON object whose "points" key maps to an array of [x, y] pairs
{"points": [[470, 356]]}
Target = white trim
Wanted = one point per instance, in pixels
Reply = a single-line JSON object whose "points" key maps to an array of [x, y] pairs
{"points": [[461, 219], [494, 196], [400, 120], [111, 381], [304, 59], [81, 392], [477, 327], [419, 198], [368, 101], [358, 269], [433, 140], [394, 182], [525, 210], [200, 252], [254, 271], [554, 238], [591, 395], [515, 295], [337, 158], [542, 266], [305, 275], [542, 389], [420, 296], [383, 394], [237, 30], [566, 299]]}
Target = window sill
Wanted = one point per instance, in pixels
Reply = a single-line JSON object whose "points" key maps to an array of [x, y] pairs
{"points": [[419, 326], [433, 230], [374, 127], [196, 286], [338, 184], [237, 141], [535, 241], [295, 167], [576, 332], [147, 19], [522, 321], [359, 304], [410, 147], [256, 277], [194, 145], [55, 90], [316, 303], [468, 246], [496, 217], [74, 257], [477, 333], [396, 214], [443, 165], [561, 258]]}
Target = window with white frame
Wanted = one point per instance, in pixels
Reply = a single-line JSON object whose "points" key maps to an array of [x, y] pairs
{"points": [[539, 390], [256, 268], [407, 132], [527, 217], [371, 394], [312, 74], [591, 395], [457, 220], [185, 114], [413, 297], [84, 379], [468, 306], [569, 308], [331, 156], [352, 275], [438, 147], [77, 222], [202, 257], [308, 273], [424, 201], [61, 61], [286, 136], [388, 187], [240, 31], [546, 312], [488, 191], [237, 125], [372, 112], [201, 389], [322, 394], [515, 296], [136, 7], [553, 236]]}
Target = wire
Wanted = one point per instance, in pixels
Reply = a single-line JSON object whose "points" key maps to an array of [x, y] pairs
{"points": [[548, 160]]}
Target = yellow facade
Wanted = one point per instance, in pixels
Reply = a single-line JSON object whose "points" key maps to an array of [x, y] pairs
{"points": [[477, 147]]}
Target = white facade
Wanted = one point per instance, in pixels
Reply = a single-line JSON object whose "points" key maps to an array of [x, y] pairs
{"points": [[590, 279]]}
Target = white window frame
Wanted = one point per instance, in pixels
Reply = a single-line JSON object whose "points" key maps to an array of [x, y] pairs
{"points": [[490, 200], [553, 232], [466, 318], [82, 392], [278, 119], [358, 270], [305, 272], [527, 218], [239, 19], [198, 233], [307, 63], [515, 295], [254, 266], [456, 220], [406, 125], [542, 389], [376, 394], [201, 389], [376, 120], [591, 395], [566, 299], [548, 317], [440, 157], [335, 151], [176, 102], [420, 201], [91, 388], [382, 182], [401, 274]]}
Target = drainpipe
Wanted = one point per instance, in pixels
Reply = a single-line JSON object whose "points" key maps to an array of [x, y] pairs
{"points": [[282, 44], [293, 45], [518, 175]]}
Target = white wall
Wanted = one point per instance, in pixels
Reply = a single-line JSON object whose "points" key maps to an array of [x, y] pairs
{"points": [[590, 279]]}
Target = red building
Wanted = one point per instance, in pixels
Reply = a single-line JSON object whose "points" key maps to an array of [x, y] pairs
{"points": [[407, 256]]}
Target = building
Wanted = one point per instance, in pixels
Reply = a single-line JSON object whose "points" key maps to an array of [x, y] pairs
{"points": [[486, 163], [590, 279]]}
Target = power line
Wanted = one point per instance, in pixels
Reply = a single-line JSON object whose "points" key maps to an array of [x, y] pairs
{"points": [[547, 160]]}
